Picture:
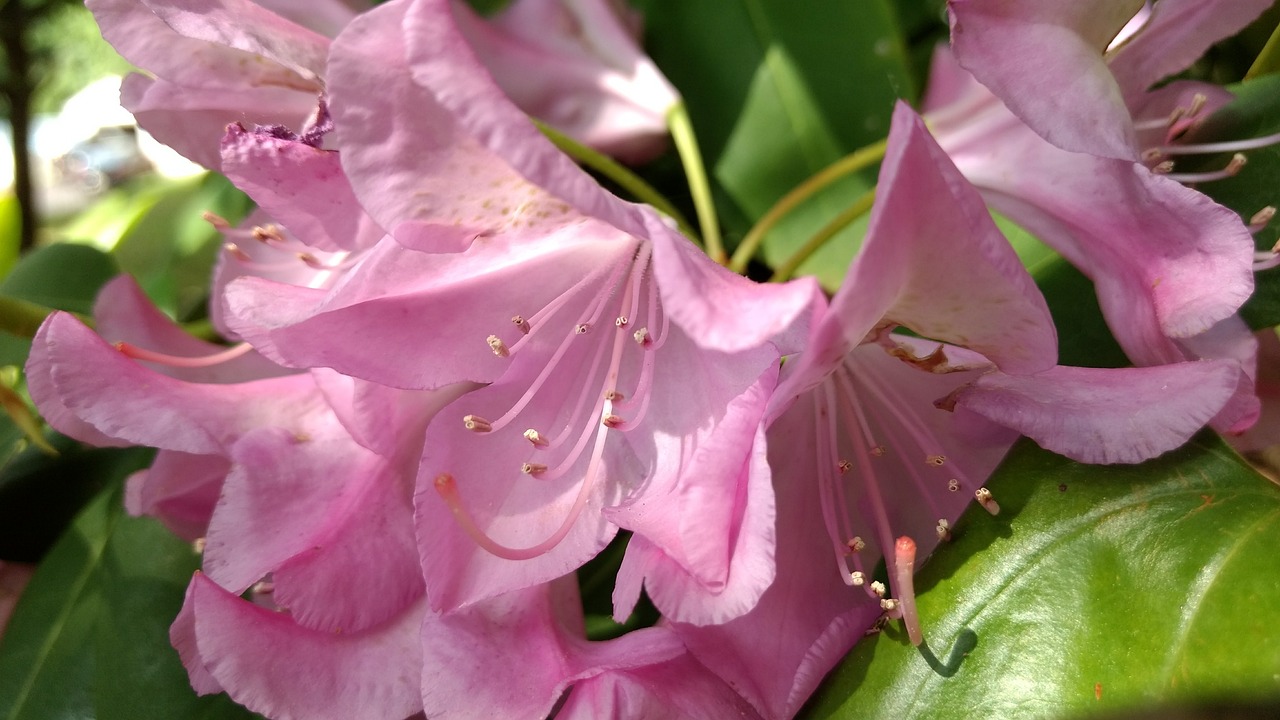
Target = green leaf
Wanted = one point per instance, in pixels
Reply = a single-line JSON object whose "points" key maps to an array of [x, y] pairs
{"points": [[89, 638], [40, 495], [62, 276], [1095, 589], [44, 669], [145, 571], [779, 90]]}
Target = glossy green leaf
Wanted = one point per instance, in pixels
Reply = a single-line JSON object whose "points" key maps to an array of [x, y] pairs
{"points": [[1095, 589], [89, 638]]}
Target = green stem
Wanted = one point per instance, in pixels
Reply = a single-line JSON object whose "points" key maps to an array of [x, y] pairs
{"points": [[849, 164], [23, 318], [1268, 61], [610, 168], [699, 186], [860, 207]]}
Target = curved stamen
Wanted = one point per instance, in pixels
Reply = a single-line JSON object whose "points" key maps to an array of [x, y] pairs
{"points": [[826, 455], [137, 353]]}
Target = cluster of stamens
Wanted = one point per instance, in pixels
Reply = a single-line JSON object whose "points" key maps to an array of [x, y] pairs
{"points": [[598, 362], [284, 254], [851, 471]]}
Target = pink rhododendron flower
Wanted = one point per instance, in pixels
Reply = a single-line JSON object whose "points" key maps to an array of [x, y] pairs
{"points": [[627, 374], [263, 63], [867, 462], [1170, 265]]}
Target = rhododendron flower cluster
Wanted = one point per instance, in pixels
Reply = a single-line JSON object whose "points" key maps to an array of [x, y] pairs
{"points": [[459, 368]]}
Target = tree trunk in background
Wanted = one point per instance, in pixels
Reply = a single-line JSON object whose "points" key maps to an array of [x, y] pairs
{"points": [[18, 92]]}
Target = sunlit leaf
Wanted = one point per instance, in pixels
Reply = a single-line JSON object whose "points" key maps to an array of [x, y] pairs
{"points": [[1096, 588]]}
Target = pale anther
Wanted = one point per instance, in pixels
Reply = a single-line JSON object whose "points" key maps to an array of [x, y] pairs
{"points": [[877, 587], [267, 233], [498, 347], [217, 221], [987, 501], [582, 329], [953, 485], [878, 450], [235, 251], [943, 530], [888, 604], [475, 423], [263, 587], [641, 336], [1163, 167], [611, 420], [844, 466], [621, 321], [1238, 161], [856, 544], [614, 396], [936, 460], [1262, 217], [857, 578], [197, 545], [520, 322], [533, 468], [535, 437]]}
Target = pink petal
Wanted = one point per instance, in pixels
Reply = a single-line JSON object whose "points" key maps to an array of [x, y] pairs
{"points": [[1232, 340], [575, 66], [1102, 415], [331, 520], [948, 274], [1176, 35], [48, 398], [122, 312], [677, 688], [1020, 48], [192, 119], [513, 656], [326, 17], [416, 169], [180, 490], [1266, 432], [273, 666], [142, 407], [454, 301], [445, 66], [249, 27], [720, 309], [300, 186], [704, 540], [1166, 259]]}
